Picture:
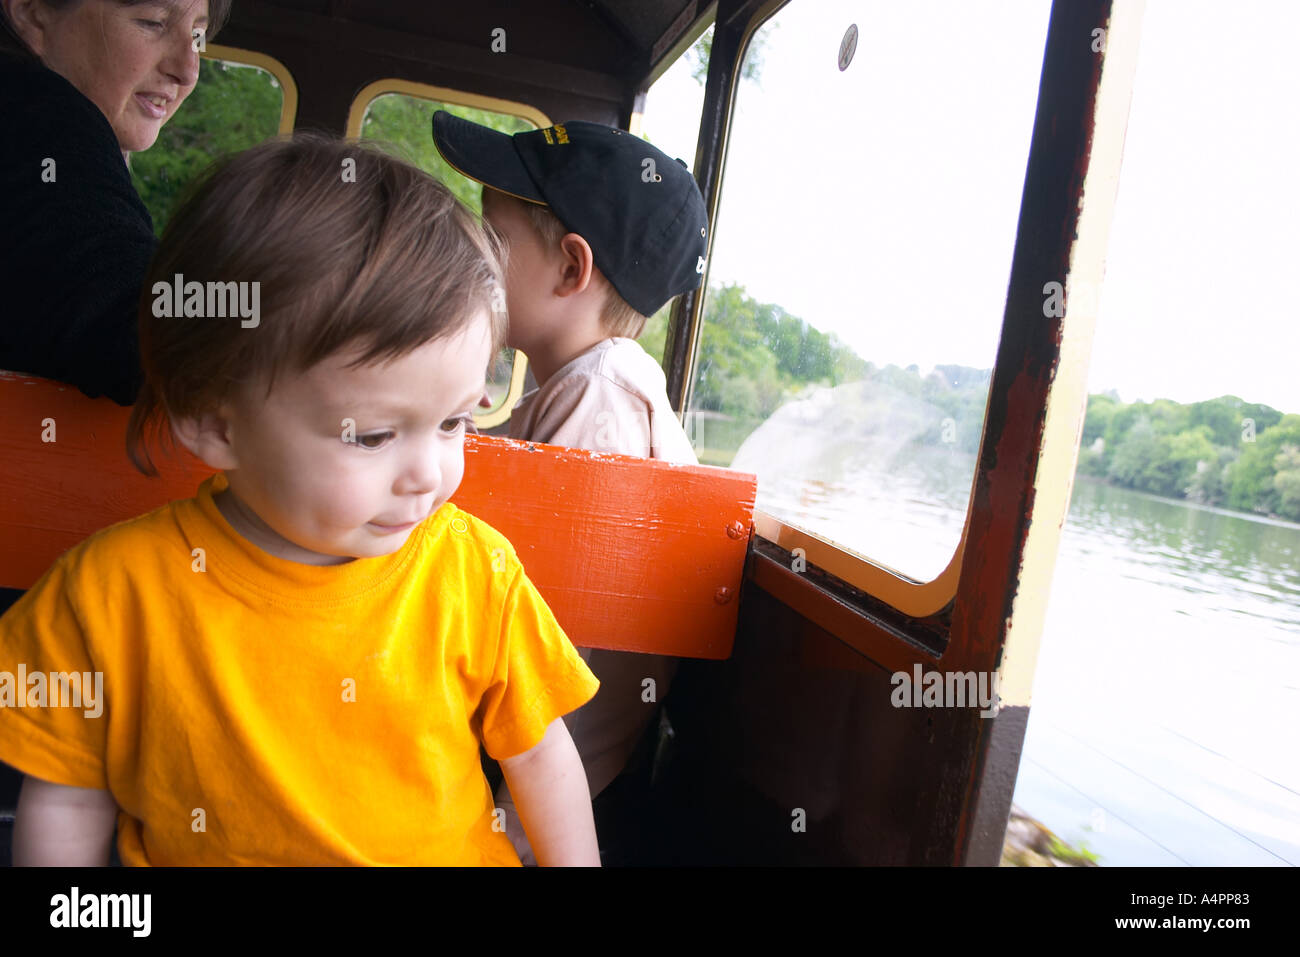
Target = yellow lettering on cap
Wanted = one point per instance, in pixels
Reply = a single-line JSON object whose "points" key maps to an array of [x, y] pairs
{"points": [[561, 134], [547, 134]]}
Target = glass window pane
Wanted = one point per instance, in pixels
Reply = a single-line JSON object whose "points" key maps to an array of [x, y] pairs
{"points": [[861, 256], [232, 107]]}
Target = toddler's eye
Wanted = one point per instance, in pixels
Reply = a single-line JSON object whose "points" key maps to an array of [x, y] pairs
{"points": [[374, 441], [452, 426]]}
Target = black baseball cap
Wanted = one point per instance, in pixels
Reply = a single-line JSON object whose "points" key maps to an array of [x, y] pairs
{"points": [[639, 210]]}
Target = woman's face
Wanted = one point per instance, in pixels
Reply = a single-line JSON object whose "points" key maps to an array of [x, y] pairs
{"points": [[136, 63]]}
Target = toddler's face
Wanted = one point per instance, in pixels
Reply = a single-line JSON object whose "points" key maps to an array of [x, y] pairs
{"points": [[343, 463]]}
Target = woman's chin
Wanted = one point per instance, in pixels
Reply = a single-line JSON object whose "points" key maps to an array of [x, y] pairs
{"points": [[137, 140]]}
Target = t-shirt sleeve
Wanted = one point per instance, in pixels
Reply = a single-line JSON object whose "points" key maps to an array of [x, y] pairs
{"points": [[593, 412], [53, 719], [537, 677]]}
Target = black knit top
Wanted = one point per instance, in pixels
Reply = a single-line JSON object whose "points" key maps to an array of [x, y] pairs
{"points": [[75, 238]]}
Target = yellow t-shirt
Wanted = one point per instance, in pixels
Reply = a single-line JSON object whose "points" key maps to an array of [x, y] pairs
{"points": [[256, 710]]}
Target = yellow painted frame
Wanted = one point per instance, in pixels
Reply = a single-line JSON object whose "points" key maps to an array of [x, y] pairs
{"points": [[289, 101], [356, 115], [1067, 400]]}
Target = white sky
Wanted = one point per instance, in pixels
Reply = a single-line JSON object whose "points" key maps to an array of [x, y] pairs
{"points": [[880, 203]]}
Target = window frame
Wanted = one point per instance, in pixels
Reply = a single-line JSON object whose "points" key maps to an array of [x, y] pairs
{"points": [[289, 89]]}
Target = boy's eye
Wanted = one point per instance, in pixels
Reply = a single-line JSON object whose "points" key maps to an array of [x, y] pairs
{"points": [[152, 24], [375, 441], [452, 426]]}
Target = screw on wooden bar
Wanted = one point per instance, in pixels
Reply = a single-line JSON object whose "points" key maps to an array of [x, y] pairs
{"points": [[736, 530], [722, 595]]}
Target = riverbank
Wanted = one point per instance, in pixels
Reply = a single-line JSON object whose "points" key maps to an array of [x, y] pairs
{"points": [[1030, 844]]}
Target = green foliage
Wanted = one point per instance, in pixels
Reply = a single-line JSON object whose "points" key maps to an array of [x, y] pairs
{"points": [[1082, 856], [751, 67], [1101, 409], [753, 355], [1286, 479], [654, 337], [1252, 479], [1209, 485], [403, 126], [1217, 452], [231, 108]]}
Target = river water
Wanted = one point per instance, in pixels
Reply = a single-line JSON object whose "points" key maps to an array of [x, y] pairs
{"points": [[1166, 701]]}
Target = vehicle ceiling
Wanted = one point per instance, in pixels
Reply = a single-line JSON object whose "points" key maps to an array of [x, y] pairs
{"points": [[574, 59]]}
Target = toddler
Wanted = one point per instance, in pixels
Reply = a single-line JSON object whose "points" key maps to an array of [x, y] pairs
{"points": [[299, 664]]}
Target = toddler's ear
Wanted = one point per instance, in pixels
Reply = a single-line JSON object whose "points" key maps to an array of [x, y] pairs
{"points": [[207, 435]]}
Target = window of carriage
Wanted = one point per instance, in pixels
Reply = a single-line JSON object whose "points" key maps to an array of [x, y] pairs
{"points": [[858, 275], [671, 121], [234, 105], [402, 122]]}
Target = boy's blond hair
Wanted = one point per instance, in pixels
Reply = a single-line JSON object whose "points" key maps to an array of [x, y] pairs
{"points": [[617, 317]]}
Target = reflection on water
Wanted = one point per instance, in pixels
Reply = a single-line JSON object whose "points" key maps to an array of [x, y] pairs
{"points": [[1165, 698]]}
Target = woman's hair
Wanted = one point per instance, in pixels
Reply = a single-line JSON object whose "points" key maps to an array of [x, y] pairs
{"points": [[349, 248], [12, 43]]}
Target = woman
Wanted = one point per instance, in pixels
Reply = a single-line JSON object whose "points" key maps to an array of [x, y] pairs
{"points": [[83, 84]]}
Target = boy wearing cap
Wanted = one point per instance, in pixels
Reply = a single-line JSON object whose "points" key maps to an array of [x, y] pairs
{"points": [[603, 229]]}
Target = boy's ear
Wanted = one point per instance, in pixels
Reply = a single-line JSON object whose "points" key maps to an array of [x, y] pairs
{"points": [[577, 265], [207, 436]]}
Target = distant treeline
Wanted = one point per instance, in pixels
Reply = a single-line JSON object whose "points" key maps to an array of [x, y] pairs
{"points": [[1227, 452], [754, 355], [1222, 451]]}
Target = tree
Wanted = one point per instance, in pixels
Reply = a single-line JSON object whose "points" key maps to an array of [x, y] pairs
{"points": [[751, 69], [1101, 409], [1133, 450], [403, 125], [1251, 483], [1209, 485], [1176, 460], [231, 108], [1286, 481]]}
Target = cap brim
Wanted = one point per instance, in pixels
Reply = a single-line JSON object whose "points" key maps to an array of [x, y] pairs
{"points": [[483, 154]]}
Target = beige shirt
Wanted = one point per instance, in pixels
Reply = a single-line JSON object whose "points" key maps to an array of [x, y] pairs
{"points": [[612, 398]]}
